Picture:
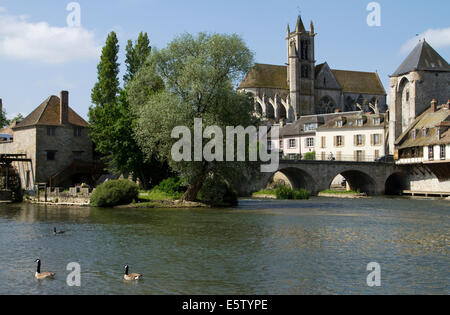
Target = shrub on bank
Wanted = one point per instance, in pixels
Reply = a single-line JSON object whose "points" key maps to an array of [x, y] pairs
{"points": [[217, 193], [284, 192], [115, 193], [171, 186]]}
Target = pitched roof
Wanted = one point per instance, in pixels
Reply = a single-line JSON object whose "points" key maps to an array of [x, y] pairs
{"points": [[423, 57], [359, 82], [266, 76], [351, 121], [428, 120], [48, 114]]}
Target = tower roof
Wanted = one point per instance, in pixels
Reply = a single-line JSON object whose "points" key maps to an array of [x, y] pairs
{"points": [[423, 57], [300, 26]]}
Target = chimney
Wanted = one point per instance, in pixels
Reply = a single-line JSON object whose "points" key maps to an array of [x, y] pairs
{"points": [[64, 107], [433, 105], [1, 106]]}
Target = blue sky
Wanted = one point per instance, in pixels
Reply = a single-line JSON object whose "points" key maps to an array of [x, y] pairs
{"points": [[40, 55]]}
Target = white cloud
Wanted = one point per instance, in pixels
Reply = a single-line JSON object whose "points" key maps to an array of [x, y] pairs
{"points": [[24, 40], [438, 38]]}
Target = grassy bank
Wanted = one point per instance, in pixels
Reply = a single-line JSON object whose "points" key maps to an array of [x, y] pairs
{"points": [[341, 192], [283, 193]]}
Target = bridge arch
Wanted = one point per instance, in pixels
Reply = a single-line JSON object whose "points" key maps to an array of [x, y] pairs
{"points": [[358, 181], [296, 178], [396, 183]]}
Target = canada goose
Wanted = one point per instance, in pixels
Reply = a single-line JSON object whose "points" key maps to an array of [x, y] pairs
{"points": [[42, 275], [132, 276], [58, 232]]}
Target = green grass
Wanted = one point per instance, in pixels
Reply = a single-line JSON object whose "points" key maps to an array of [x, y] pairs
{"points": [[341, 192], [157, 195], [271, 192]]}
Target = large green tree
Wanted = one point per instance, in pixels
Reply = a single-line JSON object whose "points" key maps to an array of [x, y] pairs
{"points": [[111, 119], [199, 74], [136, 55]]}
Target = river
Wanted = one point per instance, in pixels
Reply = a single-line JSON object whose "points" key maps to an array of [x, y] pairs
{"points": [[319, 246]]}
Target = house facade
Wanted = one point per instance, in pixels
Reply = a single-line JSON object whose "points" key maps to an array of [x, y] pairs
{"points": [[353, 137], [56, 139]]}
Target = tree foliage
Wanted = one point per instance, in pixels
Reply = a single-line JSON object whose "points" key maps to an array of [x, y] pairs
{"points": [[136, 56], [198, 74]]}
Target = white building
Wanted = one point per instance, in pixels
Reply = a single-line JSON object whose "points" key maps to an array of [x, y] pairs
{"points": [[352, 137]]}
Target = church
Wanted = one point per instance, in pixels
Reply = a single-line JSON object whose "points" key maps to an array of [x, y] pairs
{"points": [[299, 88]]}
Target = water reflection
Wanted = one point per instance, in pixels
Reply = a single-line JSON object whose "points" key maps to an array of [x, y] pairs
{"points": [[320, 246]]}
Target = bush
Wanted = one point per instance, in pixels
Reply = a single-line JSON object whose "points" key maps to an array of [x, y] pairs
{"points": [[287, 193], [217, 193], [115, 193], [310, 156], [171, 186]]}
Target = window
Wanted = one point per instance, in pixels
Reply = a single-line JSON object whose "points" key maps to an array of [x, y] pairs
{"points": [[359, 140], [292, 143], [281, 144], [304, 49], [339, 123], [51, 155], [324, 142], [424, 132], [311, 127], [310, 142], [376, 139], [339, 141], [360, 122], [77, 155], [305, 71], [77, 131], [377, 121], [28, 180], [414, 134], [359, 156], [443, 152], [431, 153], [51, 131]]}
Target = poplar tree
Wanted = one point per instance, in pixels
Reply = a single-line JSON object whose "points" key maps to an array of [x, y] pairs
{"points": [[136, 56]]}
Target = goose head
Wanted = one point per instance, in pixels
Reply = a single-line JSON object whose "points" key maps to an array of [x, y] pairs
{"points": [[126, 269]]}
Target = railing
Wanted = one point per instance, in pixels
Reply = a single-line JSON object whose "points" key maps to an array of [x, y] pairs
{"points": [[340, 158]]}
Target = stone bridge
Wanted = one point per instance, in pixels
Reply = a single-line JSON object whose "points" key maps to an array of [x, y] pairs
{"points": [[373, 178]]}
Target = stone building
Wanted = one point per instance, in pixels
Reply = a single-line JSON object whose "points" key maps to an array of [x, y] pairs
{"points": [[424, 147], [56, 140], [304, 88], [423, 76]]}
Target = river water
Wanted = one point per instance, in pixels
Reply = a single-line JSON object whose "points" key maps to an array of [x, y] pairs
{"points": [[320, 246]]}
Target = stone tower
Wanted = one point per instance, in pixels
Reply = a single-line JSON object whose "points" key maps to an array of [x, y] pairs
{"points": [[423, 76], [301, 68]]}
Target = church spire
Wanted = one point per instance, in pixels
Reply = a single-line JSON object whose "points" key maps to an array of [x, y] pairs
{"points": [[288, 29], [300, 28], [311, 28]]}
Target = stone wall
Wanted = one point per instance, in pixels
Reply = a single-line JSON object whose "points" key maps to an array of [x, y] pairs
{"points": [[65, 144]]}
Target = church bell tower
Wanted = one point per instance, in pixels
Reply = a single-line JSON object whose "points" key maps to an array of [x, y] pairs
{"points": [[301, 68]]}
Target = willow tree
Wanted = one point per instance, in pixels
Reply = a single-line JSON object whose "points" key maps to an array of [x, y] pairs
{"points": [[199, 74]]}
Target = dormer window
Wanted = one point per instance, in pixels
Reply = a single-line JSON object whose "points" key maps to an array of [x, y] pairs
{"points": [[310, 127], [339, 123], [377, 121], [414, 134], [360, 122], [424, 132]]}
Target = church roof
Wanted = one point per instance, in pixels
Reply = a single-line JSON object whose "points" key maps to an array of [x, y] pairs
{"points": [[275, 77], [423, 57], [48, 114], [266, 76], [359, 82]]}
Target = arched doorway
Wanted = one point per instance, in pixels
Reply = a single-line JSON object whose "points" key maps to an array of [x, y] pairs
{"points": [[356, 181], [396, 184], [294, 178]]}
